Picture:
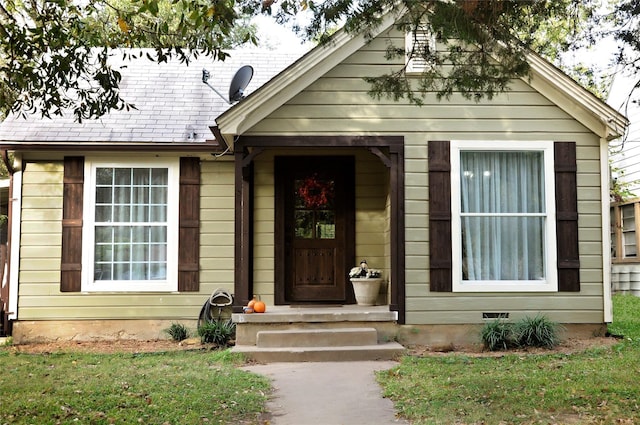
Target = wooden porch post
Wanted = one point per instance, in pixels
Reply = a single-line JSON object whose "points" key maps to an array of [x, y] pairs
{"points": [[243, 273], [397, 232], [395, 163]]}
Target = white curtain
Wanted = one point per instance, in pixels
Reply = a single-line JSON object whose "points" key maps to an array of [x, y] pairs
{"points": [[503, 215]]}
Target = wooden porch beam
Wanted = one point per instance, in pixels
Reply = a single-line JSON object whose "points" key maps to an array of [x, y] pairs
{"points": [[248, 159], [384, 158], [392, 142]]}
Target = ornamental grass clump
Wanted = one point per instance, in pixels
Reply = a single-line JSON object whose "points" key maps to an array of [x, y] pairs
{"points": [[497, 335], [178, 332], [217, 332], [536, 331]]}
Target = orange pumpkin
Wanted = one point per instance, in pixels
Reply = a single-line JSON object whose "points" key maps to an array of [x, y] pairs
{"points": [[252, 303], [259, 307]]}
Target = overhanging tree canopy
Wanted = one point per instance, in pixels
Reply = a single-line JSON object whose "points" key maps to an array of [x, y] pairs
{"points": [[481, 43], [53, 53]]}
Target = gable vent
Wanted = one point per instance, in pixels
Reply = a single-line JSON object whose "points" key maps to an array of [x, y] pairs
{"points": [[421, 44]]}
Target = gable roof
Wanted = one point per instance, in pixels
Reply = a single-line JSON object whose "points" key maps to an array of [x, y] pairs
{"points": [[176, 109], [173, 105], [292, 81], [547, 79], [580, 103]]}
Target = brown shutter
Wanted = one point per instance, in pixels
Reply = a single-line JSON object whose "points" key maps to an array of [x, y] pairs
{"points": [[440, 216], [567, 217], [189, 237], [71, 259]]}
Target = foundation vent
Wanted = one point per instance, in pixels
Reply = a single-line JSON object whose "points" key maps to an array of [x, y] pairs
{"points": [[487, 316]]}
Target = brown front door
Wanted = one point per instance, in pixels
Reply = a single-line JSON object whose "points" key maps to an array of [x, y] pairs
{"points": [[315, 231]]}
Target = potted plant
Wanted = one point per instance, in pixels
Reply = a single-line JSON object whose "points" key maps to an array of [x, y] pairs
{"points": [[366, 283]]}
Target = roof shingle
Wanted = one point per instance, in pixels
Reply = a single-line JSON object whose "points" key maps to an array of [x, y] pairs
{"points": [[172, 102]]}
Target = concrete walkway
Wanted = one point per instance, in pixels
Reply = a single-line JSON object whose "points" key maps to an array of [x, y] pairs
{"points": [[331, 393]]}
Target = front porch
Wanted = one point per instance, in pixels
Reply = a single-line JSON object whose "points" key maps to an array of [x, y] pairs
{"points": [[286, 261], [318, 333]]}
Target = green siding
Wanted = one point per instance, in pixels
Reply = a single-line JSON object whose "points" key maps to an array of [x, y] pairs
{"points": [[338, 104], [40, 297], [41, 242]]}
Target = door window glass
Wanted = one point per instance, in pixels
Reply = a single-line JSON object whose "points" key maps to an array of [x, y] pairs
{"points": [[314, 208]]}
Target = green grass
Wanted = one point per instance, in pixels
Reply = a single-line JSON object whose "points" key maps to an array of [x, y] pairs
{"points": [[592, 387], [626, 317], [598, 386], [164, 388]]}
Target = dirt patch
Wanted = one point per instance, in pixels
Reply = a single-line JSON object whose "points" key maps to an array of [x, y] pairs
{"points": [[110, 347], [569, 346], [135, 346]]}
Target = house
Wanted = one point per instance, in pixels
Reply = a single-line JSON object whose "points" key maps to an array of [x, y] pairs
{"points": [[471, 210], [625, 163]]}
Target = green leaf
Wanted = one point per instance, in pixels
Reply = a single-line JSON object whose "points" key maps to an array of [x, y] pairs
{"points": [[153, 7]]}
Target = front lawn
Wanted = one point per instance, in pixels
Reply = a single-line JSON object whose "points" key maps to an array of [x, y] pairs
{"points": [[598, 386], [177, 387]]}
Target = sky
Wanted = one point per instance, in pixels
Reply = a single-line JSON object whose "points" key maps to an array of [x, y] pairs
{"points": [[277, 36]]}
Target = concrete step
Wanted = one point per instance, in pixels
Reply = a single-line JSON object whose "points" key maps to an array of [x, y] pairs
{"points": [[386, 351], [278, 318], [340, 337], [318, 334]]}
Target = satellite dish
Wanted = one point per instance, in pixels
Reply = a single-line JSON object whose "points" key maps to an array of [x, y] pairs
{"points": [[239, 82]]}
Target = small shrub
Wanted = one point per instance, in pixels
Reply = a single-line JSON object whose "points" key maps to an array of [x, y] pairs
{"points": [[497, 335], [536, 331], [178, 332], [217, 332]]}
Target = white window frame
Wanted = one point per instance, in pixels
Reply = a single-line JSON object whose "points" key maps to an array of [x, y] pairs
{"points": [[618, 232], [88, 229], [625, 230], [550, 283]]}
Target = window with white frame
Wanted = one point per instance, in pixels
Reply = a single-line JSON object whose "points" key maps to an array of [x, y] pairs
{"points": [[628, 221], [625, 231], [131, 225], [503, 216]]}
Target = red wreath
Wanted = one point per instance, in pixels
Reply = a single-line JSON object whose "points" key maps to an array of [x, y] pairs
{"points": [[315, 193]]}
